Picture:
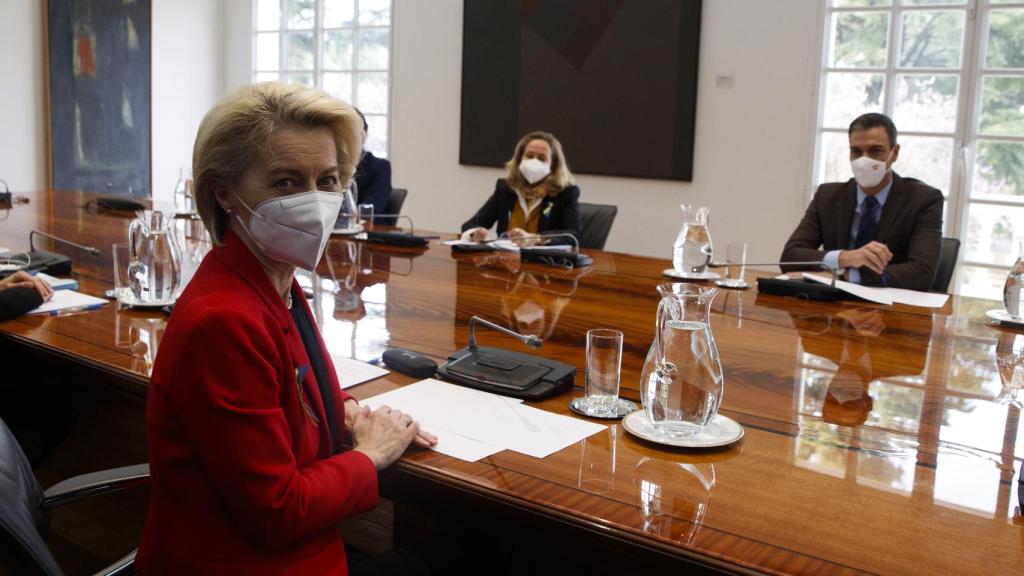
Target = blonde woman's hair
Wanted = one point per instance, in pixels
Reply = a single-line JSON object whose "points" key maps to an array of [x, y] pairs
{"points": [[560, 178], [235, 132]]}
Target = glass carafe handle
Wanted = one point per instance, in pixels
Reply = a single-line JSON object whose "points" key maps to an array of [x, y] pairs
{"points": [[135, 231], [664, 371]]}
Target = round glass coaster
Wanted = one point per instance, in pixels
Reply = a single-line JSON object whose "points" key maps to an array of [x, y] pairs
{"points": [[735, 284], [622, 408]]}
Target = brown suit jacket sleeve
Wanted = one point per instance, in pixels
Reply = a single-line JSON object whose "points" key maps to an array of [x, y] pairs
{"points": [[806, 242], [916, 267]]}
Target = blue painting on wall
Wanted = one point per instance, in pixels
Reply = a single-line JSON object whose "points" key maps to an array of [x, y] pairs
{"points": [[99, 72]]}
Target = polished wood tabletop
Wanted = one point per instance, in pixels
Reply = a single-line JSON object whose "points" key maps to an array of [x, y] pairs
{"points": [[877, 439]]}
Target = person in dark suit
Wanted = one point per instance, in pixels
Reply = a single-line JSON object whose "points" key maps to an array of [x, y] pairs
{"points": [[538, 194], [248, 429], [883, 229], [373, 179]]}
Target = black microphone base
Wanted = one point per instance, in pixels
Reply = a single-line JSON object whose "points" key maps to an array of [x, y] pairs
{"points": [[803, 289], [47, 262], [509, 373]]}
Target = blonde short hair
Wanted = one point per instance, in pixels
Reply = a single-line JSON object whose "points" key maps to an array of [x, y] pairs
{"points": [[233, 134], [560, 178]]}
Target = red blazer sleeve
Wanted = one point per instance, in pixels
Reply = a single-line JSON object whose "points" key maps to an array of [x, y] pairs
{"points": [[228, 398]]}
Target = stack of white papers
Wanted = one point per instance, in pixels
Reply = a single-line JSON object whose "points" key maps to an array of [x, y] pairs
{"points": [[471, 424], [886, 296], [351, 371], [68, 300]]}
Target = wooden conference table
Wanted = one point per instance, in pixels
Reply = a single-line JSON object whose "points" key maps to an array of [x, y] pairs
{"points": [[873, 442]]}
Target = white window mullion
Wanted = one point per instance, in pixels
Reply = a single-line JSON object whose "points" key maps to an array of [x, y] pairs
{"points": [[895, 45], [963, 145]]}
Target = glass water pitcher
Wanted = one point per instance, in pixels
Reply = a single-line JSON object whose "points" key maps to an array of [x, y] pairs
{"points": [[682, 382], [693, 249], [154, 268]]}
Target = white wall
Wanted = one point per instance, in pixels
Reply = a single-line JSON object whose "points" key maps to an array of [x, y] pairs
{"points": [[22, 104], [754, 141], [188, 77]]}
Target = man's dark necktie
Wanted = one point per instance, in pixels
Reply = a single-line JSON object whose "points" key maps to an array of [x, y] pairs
{"points": [[868, 225], [866, 229]]}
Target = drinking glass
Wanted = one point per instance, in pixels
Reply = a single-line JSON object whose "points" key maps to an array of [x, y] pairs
{"points": [[736, 259], [366, 214], [604, 366], [121, 258]]}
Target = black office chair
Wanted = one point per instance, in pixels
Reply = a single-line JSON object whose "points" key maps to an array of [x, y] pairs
{"points": [[394, 206], [25, 512], [597, 222], [948, 252]]}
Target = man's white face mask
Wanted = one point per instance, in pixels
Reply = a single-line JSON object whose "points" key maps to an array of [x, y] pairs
{"points": [[293, 229], [868, 172]]}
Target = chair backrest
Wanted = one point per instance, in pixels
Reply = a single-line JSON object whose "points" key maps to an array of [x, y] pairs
{"points": [[395, 202], [22, 521], [596, 220], [948, 252]]}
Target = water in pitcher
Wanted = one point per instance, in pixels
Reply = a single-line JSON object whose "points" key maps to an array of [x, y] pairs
{"points": [[685, 393]]}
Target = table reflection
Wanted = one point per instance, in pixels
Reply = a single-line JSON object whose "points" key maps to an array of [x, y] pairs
{"points": [[350, 296], [1010, 359], [139, 334], [529, 301], [674, 497]]}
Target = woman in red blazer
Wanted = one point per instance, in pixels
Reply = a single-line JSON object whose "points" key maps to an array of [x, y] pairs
{"points": [[247, 424]]}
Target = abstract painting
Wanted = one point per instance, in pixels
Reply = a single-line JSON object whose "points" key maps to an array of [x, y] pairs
{"points": [[615, 81], [98, 79]]}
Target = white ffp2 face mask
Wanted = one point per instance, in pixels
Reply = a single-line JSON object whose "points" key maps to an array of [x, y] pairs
{"points": [[534, 170], [868, 172], [294, 229]]}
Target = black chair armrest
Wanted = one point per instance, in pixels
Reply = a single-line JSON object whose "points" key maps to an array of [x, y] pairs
{"points": [[102, 482], [123, 567]]}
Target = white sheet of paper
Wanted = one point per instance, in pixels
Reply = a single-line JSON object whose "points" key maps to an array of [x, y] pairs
{"points": [[887, 295], [351, 371], [915, 298], [459, 242], [869, 293], [498, 421], [68, 300], [457, 446]]}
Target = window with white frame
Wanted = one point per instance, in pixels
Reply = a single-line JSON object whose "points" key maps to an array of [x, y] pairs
{"points": [[950, 73], [342, 46]]}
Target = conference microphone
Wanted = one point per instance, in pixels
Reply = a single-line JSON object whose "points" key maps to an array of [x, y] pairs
{"points": [[530, 341], [805, 289], [553, 255], [506, 372], [412, 230], [819, 264], [89, 249]]}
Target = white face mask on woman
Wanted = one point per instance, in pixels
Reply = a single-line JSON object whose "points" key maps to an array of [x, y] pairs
{"points": [[293, 229], [534, 170], [868, 172]]}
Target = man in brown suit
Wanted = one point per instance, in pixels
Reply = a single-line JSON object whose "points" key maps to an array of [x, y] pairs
{"points": [[883, 229]]}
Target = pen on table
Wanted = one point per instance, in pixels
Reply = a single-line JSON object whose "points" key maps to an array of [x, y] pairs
{"points": [[88, 308]]}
